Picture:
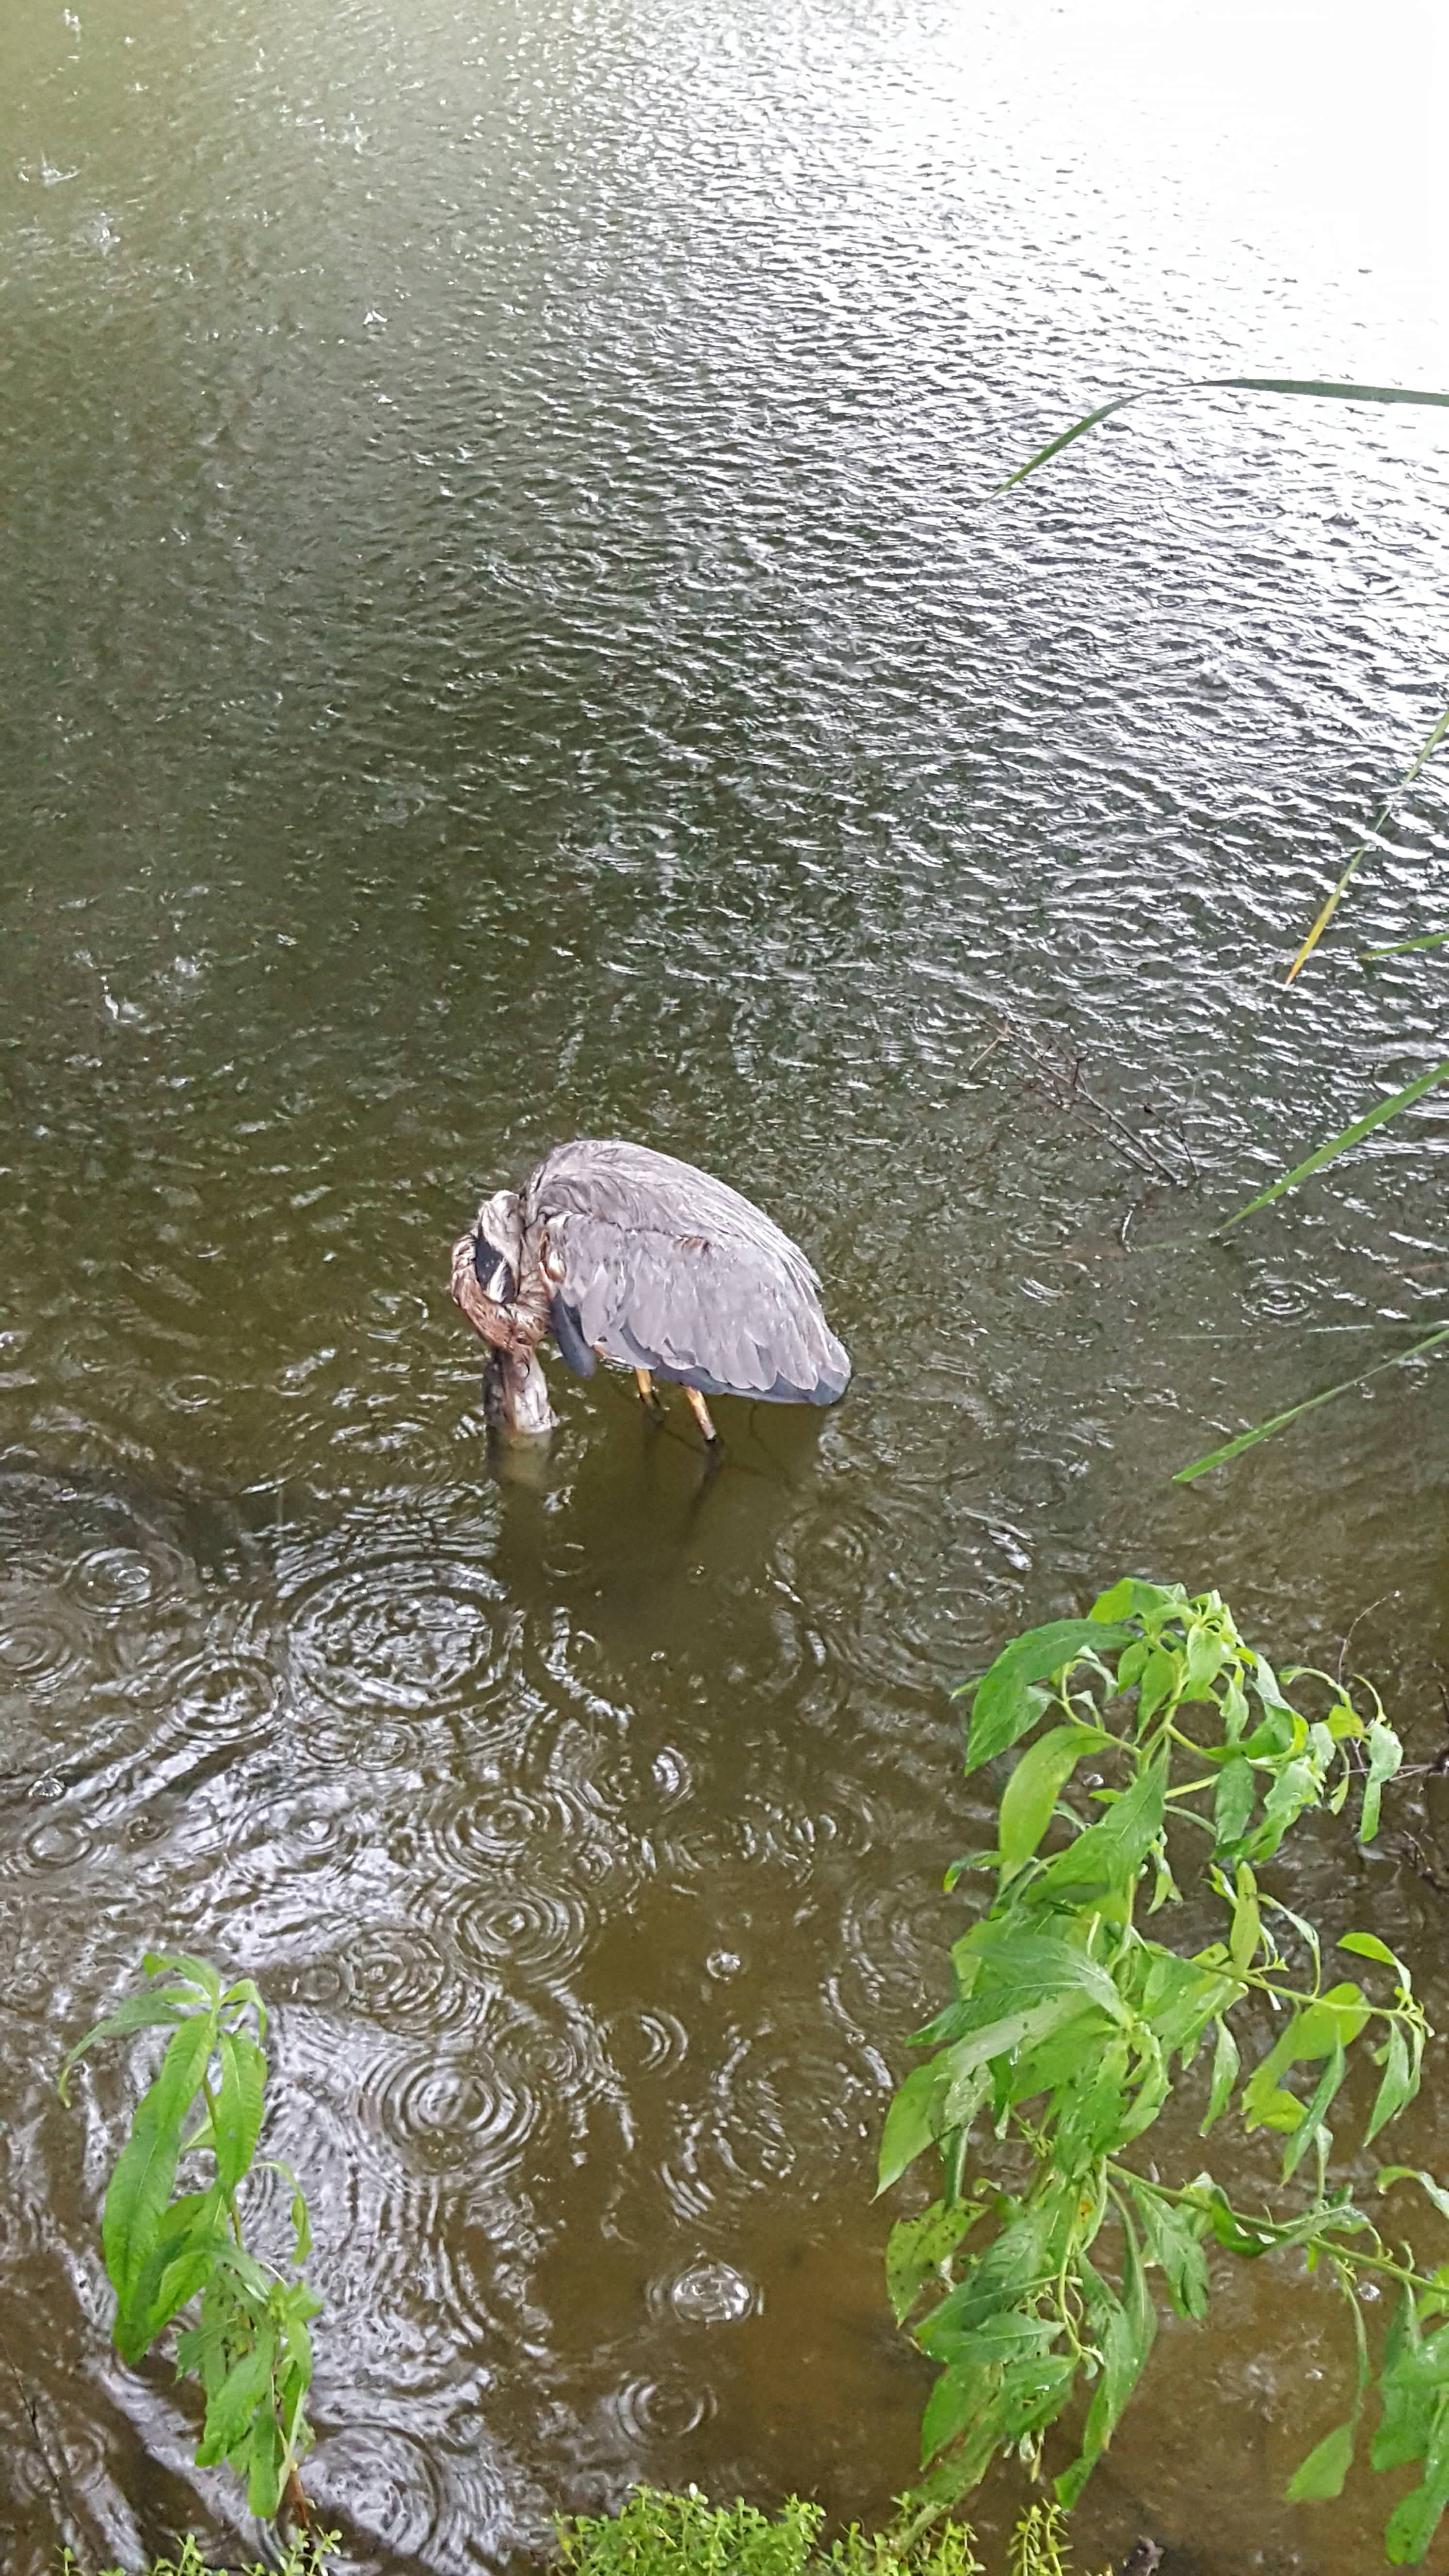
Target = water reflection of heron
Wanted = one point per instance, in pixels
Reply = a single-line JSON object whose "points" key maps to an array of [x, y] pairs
{"points": [[629, 1256]]}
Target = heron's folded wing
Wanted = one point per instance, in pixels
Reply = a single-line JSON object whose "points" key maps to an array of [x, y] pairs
{"points": [[730, 1318], [645, 1192]]}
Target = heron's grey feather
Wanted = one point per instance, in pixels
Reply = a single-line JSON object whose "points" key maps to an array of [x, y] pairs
{"points": [[671, 1270]]}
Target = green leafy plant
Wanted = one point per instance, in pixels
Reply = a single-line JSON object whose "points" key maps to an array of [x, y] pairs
{"points": [[250, 2346], [659, 2534], [1071, 2027], [304, 2556]]}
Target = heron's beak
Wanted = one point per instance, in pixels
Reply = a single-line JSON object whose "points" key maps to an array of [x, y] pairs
{"points": [[515, 1397]]}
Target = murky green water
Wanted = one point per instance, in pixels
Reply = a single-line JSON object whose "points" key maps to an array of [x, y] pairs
{"points": [[498, 642]]}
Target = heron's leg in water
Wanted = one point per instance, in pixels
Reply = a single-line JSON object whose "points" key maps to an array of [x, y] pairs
{"points": [[700, 1410], [648, 1392]]}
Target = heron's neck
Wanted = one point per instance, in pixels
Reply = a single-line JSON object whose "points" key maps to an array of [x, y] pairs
{"points": [[515, 1395]]}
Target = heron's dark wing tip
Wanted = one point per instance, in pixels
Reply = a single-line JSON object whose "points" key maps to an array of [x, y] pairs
{"points": [[569, 1335]]}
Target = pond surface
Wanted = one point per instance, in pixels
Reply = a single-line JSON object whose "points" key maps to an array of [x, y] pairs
{"points": [[500, 640]]}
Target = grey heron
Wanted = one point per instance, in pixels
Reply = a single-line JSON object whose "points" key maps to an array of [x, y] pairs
{"points": [[627, 1255]]}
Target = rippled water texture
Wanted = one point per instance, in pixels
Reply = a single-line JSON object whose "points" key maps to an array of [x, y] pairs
{"points": [[499, 641]]}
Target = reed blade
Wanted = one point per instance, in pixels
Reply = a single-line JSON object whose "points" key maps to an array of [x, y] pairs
{"points": [[1320, 390], [1280, 1421], [1078, 429], [1339, 1144], [1425, 752], [1403, 947]]}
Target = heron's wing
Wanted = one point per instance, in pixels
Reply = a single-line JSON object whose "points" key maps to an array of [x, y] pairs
{"points": [[668, 1269]]}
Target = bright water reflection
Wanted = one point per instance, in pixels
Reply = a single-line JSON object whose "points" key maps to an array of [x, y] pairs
{"points": [[498, 644]]}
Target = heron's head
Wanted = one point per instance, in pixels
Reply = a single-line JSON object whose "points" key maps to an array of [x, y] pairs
{"points": [[487, 1265]]}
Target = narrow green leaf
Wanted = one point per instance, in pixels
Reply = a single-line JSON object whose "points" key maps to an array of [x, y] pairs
{"points": [[1003, 1707], [1315, 2111], [1403, 947], [1206, 1656], [238, 2106], [179, 2262], [1133, 1599], [1226, 2062], [958, 2398], [1321, 392], [246, 1991], [301, 2221], [1235, 1709], [1034, 2392], [1385, 1754], [1126, 2345], [1174, 2246], [910, 2123], [1398, 2085], [1405, 2427], [1009, 2269], [140, 2186], [1233, 1800], [1035, 1785], [1002, 2038], [918, 2248], [1426, 752], [1008, 2336], [1229, 2230], [1331, 2023], [200, 1972], [1012, 1969], [1323, 2472], [1247, 1929], [266, 2467], [139, 2012], [1415, 2519], [1280, 1421], [1367, 1945], [1109, 1853], [1307, 1934], [1160, 1675], [247, 2385]]}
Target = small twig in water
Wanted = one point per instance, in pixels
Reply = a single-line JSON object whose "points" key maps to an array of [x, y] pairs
{"points": [[1069, 1090], [33, 2420]]}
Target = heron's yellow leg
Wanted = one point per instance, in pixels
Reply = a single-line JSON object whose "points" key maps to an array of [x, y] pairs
{"points": [[645, 1384], [700, 1410]]}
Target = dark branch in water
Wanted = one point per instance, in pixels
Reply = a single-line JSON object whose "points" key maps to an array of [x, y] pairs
{"points": [[1061, 1080]]}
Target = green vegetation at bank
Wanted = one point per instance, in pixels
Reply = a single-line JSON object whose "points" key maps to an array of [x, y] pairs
{"points": [[300, 2558], [1071, 2027], [659, 2534]]}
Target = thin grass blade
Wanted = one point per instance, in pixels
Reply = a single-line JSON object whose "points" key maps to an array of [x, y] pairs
{"points": [[1280, 1421], [1425, 752], [1078, 429], [1403, 947], [1321, 391], [1339, 1144]]}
